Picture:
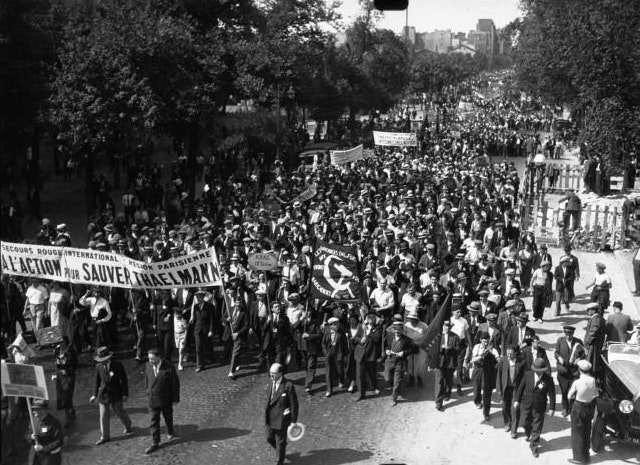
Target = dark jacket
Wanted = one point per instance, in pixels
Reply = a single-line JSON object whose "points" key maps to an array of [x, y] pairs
{"points": [[162, 314], [368, 349], [277, 335], [534, 395], [312, 344], [512, 336], [445, 357], [502, 379], [111, 385], [164, 389], [566, 369], [50, 436], [562, 277], [282, 406], [340, 349], [203, 318]]}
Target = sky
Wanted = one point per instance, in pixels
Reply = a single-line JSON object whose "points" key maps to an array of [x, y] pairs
{"points": [[429, 15]]}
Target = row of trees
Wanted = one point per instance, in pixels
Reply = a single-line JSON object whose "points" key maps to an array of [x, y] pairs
{"points": [[586, 55], [105, 77]]}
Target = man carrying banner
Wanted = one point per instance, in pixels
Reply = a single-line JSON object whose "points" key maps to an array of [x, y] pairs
{"points": [[47, 436]]}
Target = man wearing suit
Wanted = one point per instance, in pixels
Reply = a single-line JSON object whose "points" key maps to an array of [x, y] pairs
{"points": [[310, 345], [510, 373], [444, 358], [47, 438], [491, 328], [568, 351], [474, 319], [163, 390], [521, 335], [366, 354], [399, 347], [281, 410], [334, 345], [277, 336], [594, 335], [572, 210], [618, 326], [533, 392], [239, 324], [564, 277], [484, 359], [162, 317], [202, 318], [111, 390]]}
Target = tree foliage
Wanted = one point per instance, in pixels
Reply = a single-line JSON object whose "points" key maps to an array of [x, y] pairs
{"points": [[586, 55]]}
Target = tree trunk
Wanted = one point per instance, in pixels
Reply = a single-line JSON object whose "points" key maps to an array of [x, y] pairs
{"points": [[88, 184], [193, 145]]}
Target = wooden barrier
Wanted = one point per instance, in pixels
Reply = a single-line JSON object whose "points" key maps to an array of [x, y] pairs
{"points": [[562, 177], [601, 227]]}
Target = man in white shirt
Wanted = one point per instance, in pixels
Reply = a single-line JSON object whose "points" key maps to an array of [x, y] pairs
{"points": [[411, 300], [460, 327], [37, 297], [382, 299]]}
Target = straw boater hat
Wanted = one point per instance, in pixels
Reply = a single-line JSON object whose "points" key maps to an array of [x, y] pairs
{"points": [[103, 354], [540, 365]]}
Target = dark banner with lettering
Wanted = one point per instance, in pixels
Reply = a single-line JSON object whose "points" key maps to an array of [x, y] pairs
{"points": [[335, 274]]}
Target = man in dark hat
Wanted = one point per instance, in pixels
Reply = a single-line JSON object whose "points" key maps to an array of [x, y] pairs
{"points": [[510, 373], [281, 410], [536, 387], [163, 390], [484, 359], [445, 360], [48, 437], [399, 347], [521, 335], [202, 314], [111, 390], [366, 354], [568, 351], [594, 335]]}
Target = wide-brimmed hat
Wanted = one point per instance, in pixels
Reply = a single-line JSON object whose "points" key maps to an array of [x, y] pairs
{"points": [[474, 307], [333, 320], [540, 364], [102, 354]]}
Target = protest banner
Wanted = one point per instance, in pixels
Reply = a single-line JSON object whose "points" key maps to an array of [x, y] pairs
{"points": [[23, 381], [49, 336], [339, 157], [262, 261], [395, 139], [368, 153], [335, 274], [309, 193], [95, 268]]}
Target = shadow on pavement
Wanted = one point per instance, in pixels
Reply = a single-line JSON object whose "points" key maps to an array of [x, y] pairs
{"points": [[330, 457], [191, 433]]}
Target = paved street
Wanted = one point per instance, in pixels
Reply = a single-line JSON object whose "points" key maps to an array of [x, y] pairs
{"points": [[220, 421]]}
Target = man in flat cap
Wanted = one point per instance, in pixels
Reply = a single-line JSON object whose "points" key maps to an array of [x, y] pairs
{"points": [[569, 350]]}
